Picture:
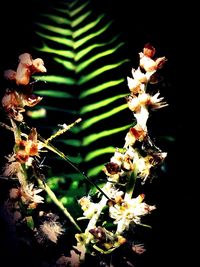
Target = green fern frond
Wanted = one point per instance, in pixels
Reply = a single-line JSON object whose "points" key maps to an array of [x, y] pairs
{"points": [[68, 54], [96, 136], [100, 104], [56, 79], [87, 38], [86, 79], [102, 70], [57, 19], [101, 87], [91, 121], [98, 152], [80, 19], [54, 29], [54, 93], [59, 40]]}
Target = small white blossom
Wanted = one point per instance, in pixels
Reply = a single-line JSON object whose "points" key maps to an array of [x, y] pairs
{"points": [[128, 211], [134, 85], [156, 102], [30, 194]]}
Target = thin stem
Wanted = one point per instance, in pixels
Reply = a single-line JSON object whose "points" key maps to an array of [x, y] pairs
{"points": [[58, 203], [61, 131]]}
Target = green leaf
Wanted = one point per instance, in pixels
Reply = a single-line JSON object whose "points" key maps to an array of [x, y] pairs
{"points": [[57, 19], [56, 79], [54, 29], [105, 115], [86, 79], [54, 93], [96, 136], [101, 87], [96, 153], [59, 40], [99, 71], [100, 104]]}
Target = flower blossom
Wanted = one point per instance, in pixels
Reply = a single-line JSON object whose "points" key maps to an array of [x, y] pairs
{"points": [[26, 67], [52, 230], [29, 194], [146, 61], [11, 169], [134, 134], [128, 211], [14, 102], [88, 207], [119, 166], [138, 248], [26, 148]]}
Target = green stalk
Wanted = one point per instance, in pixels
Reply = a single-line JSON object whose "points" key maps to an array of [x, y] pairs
{"points": [[58, 203]]}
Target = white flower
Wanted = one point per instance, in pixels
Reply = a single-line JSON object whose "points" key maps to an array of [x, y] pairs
{"points": [[142, 117], [91, 210], [156, 102], [117, 158], [29, 194], [88, 207], [134, 85], [128, 211], [134, 104], [140, 76], [26, 67], [115, 193], [147, 63]]}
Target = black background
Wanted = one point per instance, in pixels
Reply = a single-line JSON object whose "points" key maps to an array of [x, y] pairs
{"points": [[166, 26]]}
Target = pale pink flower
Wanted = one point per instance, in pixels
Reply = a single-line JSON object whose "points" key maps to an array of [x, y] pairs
{"points": [[29, 194], [14, 102], [14, 193], [26, 67], [52, 230], [11, 169], [72, 261], [138, 248]]}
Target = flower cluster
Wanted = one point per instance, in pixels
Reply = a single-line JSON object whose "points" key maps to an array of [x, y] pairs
{"points": [[23, 167], [14, 101], [137, 159], [27, 146]]}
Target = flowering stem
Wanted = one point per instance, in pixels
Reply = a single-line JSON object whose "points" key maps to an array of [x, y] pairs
{"points": [[95, 217], [61, 131], [58, 203], [93, 221]]}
